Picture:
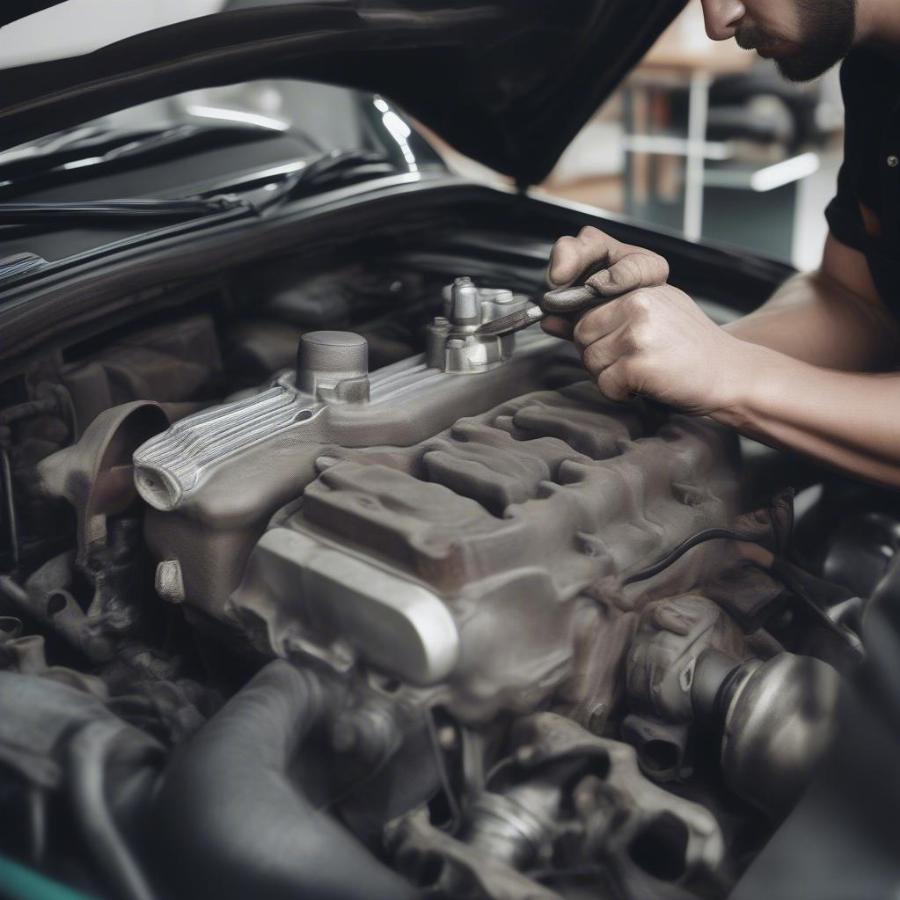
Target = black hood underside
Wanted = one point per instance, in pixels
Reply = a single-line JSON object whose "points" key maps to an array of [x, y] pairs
{"points": [[508, 83]]}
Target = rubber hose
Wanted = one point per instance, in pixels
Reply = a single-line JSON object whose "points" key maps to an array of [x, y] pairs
{"points": [[89, 756], [229, 822]]}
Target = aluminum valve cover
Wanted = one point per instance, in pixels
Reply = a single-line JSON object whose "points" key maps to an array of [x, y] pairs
{"points": [[494, 537]]}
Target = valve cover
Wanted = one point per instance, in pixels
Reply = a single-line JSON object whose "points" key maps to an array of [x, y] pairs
{"points": [[475, 558]]}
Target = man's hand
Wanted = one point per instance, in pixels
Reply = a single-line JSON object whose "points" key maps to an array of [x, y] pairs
{"points": [[657, 343], [650, 339], [610, 267], [774, 375]]}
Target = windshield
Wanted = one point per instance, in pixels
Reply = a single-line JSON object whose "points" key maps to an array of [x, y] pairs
{"points": [[324, 116], [214, 135]]}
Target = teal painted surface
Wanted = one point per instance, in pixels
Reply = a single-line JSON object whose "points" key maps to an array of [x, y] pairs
{"points": [[21, 883]]}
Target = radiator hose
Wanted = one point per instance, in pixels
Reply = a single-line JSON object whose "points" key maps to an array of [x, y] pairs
{"points": [[228, 822]]}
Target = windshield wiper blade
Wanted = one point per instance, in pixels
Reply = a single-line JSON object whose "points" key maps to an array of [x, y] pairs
{"points": [[105, 210], [95, 150], [333, 165], [98, 151]]}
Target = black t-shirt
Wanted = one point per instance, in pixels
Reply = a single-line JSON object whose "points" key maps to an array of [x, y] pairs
{"points": [[865, 213]]}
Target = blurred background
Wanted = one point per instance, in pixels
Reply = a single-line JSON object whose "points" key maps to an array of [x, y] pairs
{"points": [[709, 140], [703, 139]]}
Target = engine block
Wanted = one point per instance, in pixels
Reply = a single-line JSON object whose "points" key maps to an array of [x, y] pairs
{"points": [[462, 522], [476, 559]]}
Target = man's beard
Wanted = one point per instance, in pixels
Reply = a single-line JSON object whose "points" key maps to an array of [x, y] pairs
{"points": [[827, 35]]}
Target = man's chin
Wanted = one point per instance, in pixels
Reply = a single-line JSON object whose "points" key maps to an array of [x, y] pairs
{"points": [[801, 67]]}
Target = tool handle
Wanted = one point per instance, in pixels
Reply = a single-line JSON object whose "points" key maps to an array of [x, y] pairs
{"points": [[567, 300]]}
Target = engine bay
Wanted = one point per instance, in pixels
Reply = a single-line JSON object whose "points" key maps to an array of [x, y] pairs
{"points": [[313, 590]]}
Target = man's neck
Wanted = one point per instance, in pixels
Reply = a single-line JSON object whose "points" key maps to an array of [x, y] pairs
{"points": [[878, 23]]}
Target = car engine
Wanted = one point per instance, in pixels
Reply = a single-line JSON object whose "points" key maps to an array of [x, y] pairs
{"points": [[445, 625]]}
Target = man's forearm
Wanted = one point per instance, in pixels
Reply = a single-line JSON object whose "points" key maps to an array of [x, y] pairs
{"points": [[843, 419], [782, 374], [814, 319]]}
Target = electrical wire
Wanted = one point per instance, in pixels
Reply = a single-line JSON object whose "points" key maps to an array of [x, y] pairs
{"points": [[701, 537], [12, 523]]}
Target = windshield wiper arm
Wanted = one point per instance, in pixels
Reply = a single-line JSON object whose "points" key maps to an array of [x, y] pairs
{"points": [[333, 165], [99, 150], [104, 210]]}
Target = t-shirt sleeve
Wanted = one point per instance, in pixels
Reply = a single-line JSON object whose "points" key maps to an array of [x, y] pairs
{"points": [[843, 214]]}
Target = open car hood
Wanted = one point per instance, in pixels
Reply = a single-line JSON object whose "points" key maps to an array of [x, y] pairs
{"points": [[508, 83]]}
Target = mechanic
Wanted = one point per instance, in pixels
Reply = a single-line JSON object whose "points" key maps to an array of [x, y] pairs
{"points": [[815, 368]]}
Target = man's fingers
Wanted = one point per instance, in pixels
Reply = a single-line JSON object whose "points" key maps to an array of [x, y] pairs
{"points": [[614, 385], [600, 355], [571, 257], [610, 267], [557, 326], [597, 324], [637, 268], [568, 259]]}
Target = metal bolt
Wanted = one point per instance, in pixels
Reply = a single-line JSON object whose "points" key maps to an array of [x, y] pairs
{"points": [[893, 161], [169, 582], [465, 308], [447, 737]]}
